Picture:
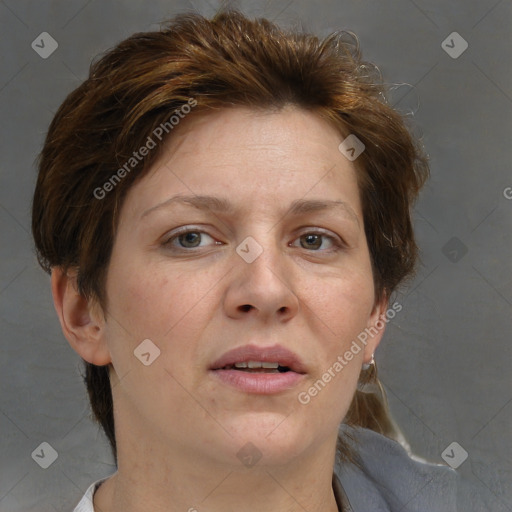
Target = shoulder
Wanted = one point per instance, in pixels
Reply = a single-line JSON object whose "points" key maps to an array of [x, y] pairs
{"points": [[388, 479], [86, 503]]}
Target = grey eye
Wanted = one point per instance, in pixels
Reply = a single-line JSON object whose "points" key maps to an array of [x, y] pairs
{"points": [[190, 239], [312, 241]]}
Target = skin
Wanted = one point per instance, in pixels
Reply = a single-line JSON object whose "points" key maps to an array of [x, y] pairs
{"points": [[178, 429]]}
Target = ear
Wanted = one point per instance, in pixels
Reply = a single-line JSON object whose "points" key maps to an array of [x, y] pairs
{"points": [[376, 326], [82, 321]]}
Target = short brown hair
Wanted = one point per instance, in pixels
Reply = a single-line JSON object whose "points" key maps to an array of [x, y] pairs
{"points": [[222, 62]]}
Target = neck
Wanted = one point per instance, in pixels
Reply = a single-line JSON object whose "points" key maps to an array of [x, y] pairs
{"points": [[169, 471], [195, 485]]}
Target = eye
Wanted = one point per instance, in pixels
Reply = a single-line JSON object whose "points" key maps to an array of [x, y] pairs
{"points": [[315, 241], [188, 239]]}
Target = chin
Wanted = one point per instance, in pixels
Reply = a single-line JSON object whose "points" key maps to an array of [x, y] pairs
{"points": [[272, 438]]}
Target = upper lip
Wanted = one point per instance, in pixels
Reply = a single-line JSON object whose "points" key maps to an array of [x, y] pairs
{"points": [[271, 354]]}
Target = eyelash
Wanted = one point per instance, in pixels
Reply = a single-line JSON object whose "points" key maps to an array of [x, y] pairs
{"points": [[337, 244]]}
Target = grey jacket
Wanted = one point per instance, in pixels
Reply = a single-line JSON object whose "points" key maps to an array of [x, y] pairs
{"points": [[389, 481]]}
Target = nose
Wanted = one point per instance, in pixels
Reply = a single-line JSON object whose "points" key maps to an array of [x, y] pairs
{"points": [[263, 288]]}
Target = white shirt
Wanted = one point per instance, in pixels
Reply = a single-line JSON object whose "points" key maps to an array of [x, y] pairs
{"points": [[85, 504]]}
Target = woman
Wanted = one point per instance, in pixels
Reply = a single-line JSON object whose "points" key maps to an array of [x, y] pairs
{"points": [[224, 208]]}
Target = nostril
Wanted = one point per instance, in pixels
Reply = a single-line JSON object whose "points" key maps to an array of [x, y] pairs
{"points": [[246, 307]]}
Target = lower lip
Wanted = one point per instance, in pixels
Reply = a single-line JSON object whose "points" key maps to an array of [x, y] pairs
{"points": [[259, 383]]}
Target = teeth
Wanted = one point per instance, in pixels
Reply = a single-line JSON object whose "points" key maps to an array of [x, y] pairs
{"points": [[256, 364]]}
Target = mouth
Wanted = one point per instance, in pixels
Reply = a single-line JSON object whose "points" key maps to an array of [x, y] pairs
{"points": [[257, 367], [259, 370]]}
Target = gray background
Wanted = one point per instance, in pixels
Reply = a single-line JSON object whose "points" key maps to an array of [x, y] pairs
{"points": [[446, 357]]}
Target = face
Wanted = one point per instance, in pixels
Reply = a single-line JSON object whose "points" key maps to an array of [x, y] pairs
{"points": [[273, 262]]}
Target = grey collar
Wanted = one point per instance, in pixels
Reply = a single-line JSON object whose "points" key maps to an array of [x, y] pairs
{"points": [[388, 479]]}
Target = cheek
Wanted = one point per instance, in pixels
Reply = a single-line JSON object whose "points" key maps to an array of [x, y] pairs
{"points": [[163, 305], [343, 310], [152, 301], [344, 304], [344, 307], [166, 308]]}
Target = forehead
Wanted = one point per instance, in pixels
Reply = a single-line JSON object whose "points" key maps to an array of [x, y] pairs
{"points": [[239, 131], [253, 156]]}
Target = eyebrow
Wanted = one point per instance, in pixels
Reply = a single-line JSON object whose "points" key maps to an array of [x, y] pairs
{"points": [[219, 205]]}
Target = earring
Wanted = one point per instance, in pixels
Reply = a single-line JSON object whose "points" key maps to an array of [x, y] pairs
{"points": [[367, 382], [366, 366]]}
